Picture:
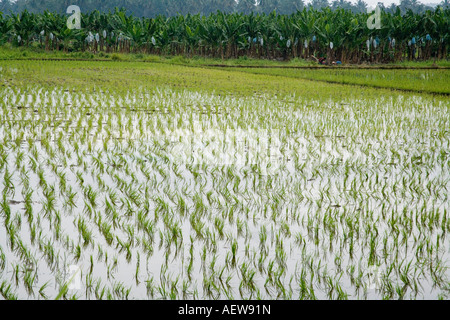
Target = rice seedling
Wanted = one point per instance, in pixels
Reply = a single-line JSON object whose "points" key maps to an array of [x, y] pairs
{"points": [[84, 231], [6, 291], [42, 290]]}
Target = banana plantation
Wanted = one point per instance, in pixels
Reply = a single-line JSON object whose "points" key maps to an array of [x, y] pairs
{"points": [[339, 34]]}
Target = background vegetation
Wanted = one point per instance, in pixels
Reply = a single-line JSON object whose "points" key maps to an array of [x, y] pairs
{"points": [[335, 34], [153, 8]]}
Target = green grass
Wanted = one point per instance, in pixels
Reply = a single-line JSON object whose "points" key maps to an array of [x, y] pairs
{"points": [[427, 81], [81, 75]]}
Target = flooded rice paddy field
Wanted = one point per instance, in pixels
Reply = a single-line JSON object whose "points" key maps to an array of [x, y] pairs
{"points": [[166, 194]]}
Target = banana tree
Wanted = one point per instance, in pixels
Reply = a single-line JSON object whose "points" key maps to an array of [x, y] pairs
{"points": [[190, 33], [250, 31], [161, 40], [212, 36], [150, 27], [48, 24], [442, 20], [304, 24], [123, 26], [137, 36], [67, 37], [328, 33], [353, 41], [6, 28], [24, 25], [231, 25]]}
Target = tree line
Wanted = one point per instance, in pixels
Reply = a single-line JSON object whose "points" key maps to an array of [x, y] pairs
{"points": [[153, 8], [335, 34]]}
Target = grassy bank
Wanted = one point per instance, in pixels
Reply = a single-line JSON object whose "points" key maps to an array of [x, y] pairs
{"points": [[426, 81], [12, 53]]}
